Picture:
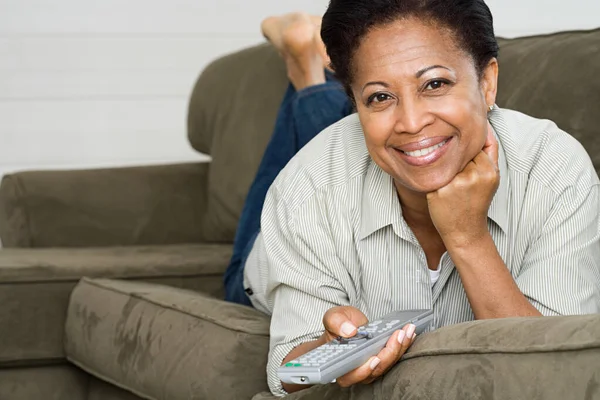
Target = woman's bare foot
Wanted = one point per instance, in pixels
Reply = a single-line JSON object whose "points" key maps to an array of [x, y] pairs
{"points": [[297, 37]]}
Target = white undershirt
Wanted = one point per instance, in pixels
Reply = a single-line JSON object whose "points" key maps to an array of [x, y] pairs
{"points": [[435, 275]]}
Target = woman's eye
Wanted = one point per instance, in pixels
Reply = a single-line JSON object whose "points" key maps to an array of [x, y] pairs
{"points": [[379, 98], [433, 85]]}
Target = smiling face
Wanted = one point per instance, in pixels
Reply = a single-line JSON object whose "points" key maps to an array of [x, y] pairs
{"points": [[421, 102]]}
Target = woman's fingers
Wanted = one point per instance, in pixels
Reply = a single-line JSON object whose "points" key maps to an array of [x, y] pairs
{"points": [[376, 366], [394, 350], [404, 340], [360, 374], [343, 321]]}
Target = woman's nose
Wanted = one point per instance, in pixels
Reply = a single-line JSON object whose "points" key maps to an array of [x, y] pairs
{"points": [[412, 116]]}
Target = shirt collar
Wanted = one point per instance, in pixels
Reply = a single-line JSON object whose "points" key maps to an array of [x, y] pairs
{"points": [[380, 206], [498, 211]]}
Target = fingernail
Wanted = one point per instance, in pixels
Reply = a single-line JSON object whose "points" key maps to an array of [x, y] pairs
{"points": [[375, 363], [410, 331], [348, 328], [401, 336]]}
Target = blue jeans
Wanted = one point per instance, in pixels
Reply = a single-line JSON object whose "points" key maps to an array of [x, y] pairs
{"points": [[302, 115]]}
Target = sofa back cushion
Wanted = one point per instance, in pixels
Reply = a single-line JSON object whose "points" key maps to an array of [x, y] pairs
{"points": [[555, 77], [231, 117], [236, 99]]}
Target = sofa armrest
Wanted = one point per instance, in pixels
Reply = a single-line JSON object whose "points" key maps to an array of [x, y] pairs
{"points": [[104, 207]]}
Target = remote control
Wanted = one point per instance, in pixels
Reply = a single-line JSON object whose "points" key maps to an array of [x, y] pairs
{"points": [[340, 356]]}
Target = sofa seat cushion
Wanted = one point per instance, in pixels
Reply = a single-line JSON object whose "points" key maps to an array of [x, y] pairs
{"points": [[35, 285], [551, 358], [165, 343], [55, 382]]}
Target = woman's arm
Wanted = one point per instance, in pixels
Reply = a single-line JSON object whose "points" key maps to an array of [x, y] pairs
{"points": [[459, 212], [302, 287], [490, 288], [560, 273]]}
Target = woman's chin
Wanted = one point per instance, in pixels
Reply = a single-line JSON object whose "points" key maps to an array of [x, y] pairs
{"points": [[424, 185]]}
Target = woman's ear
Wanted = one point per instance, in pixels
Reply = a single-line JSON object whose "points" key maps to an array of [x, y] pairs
{"points": [[489, 82]]}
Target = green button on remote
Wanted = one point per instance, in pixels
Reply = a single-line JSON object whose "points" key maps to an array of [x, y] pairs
{"points": [[289, 364]]}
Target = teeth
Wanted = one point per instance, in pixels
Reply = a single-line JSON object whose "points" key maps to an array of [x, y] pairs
{"points": [[424, 152]]}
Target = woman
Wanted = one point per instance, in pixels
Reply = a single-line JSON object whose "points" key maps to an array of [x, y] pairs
{"points": [[428, 175]]}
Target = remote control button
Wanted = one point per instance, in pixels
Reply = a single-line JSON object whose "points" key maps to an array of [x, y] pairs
{"points": [[289, 364], [375, 323], [297, 365], [358, 338]]}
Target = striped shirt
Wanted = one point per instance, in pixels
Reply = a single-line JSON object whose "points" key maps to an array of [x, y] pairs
{"points": [[333, 234]]}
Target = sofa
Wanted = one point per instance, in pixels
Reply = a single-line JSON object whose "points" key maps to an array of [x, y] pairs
{"points": [[111, 279]]}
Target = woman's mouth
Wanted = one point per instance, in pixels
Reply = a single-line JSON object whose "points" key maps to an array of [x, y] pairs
{"points": [[417, 154]]}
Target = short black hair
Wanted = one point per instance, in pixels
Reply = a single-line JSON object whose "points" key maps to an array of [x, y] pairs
{"points": [[346, 22]]}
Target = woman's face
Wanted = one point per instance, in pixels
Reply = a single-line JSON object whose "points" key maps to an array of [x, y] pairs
{"points": [[421, 103]]}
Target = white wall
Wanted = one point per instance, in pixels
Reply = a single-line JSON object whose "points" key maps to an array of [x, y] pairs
{"points": [[527, 17], [95, 83]]}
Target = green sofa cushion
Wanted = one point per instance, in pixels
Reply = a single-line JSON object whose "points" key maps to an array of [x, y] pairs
{"points": [[165, 343], [35, 286]]}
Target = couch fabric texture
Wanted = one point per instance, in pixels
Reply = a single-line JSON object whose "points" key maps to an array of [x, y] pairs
{"points": [[153, 243]]}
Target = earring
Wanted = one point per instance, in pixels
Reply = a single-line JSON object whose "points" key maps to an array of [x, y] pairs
{"points": [[491, 107]]}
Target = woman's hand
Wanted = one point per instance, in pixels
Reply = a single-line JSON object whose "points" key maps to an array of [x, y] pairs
{"points": [[459, 209], [343, 321]]}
